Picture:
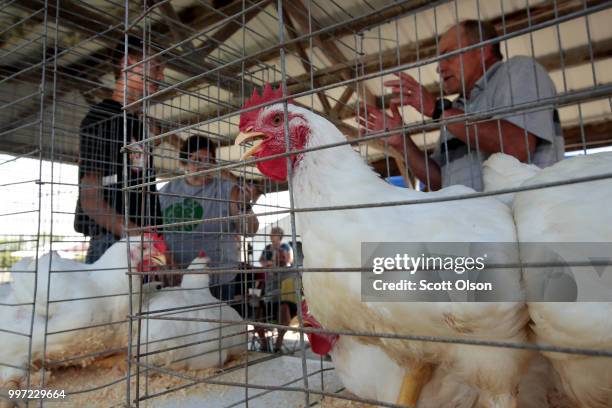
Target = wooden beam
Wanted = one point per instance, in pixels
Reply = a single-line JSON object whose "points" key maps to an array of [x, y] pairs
{"points": [[305, 60], [353, 26], [375, 62], [228, 30], [299, 12], [344, 98], [80, 18], [176, 30], [74, 15], [349, 28], [596, 134], [211, 44], [551, 62], [427, 48]]}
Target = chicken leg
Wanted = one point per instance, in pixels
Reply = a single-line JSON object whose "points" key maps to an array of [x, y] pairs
{"points": [[413, 383]]}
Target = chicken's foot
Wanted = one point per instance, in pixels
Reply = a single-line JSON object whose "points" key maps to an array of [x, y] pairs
{"points": [[414, 381]]}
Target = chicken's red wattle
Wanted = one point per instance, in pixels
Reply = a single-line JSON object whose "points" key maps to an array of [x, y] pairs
{"points": [[320, 343]]}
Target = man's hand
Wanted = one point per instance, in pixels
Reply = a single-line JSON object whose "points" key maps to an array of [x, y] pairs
{"points": [[372, 119], [411, 93], [250, 193], [242, 200]]}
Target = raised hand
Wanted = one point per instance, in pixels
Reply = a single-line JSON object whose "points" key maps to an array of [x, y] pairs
{"points": [[412, 93], [372, 119]]}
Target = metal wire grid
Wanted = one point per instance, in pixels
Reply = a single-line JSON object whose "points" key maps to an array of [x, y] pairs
{"points": [[53, 18], [39, 40], [318, 80], [361, 72]]}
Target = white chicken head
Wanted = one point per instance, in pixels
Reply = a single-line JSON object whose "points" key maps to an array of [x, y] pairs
{"points": [[199, 280], [265, 128]]}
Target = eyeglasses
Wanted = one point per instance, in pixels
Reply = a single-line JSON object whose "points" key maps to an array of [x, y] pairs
{"points": [[200, 159]]}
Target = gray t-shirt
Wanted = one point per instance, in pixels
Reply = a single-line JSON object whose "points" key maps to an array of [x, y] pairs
{"points": [[508, 83], [182, 202]]}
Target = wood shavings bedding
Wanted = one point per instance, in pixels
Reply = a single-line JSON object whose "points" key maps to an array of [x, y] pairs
{"points": [[112, 369], [328, 402], [266, 371]]}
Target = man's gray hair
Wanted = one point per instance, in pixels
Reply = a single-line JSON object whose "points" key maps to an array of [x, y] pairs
{"points": [[477, 31]]}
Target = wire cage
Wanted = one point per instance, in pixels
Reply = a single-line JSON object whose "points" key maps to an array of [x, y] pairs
{"points": [[190, 187]]}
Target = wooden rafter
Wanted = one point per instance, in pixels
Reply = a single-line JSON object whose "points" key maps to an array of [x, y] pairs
{"points": [[213, 42], [305, 60], [192, 63], [514, 21], [343, 100], [299, 12], [596, 134], [551, 62], [176, 30], [229, 29], [350, 28]]}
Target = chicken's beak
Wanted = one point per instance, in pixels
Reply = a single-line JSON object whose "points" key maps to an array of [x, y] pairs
{"points": [[256, 137], [159, 259]]}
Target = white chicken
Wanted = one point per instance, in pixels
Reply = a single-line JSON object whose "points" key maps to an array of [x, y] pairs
{"points": [[106, 276], [193, 345], [87, 304], [332, 239], [579, 212], [501, 171], [369, 373]]}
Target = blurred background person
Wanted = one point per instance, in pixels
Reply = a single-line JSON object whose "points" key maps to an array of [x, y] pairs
{"points": [[189, 201], [279, 288], [100, 207]]}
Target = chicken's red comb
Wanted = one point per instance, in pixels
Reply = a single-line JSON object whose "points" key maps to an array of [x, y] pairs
{"points": [[156, 240], [268, 96], [202, 254]]}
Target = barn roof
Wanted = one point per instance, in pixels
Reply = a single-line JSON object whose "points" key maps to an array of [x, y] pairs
{"points": [[215, 52]]}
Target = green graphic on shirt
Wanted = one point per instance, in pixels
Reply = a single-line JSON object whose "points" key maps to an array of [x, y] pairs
{"points": [[187, 210]]}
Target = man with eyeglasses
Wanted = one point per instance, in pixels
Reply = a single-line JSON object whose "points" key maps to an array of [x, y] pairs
{"points": [[483, 82], [189, 201]]}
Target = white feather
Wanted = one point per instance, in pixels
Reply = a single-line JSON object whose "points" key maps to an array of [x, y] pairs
{"points": [[571, 213], [192, 345], [337, 176], [501, 171], [107, 277], [369, 373]]}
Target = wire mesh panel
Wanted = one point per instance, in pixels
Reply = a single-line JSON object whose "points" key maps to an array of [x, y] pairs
{"points": [[64, 293], [24, 87], [206, 202]]}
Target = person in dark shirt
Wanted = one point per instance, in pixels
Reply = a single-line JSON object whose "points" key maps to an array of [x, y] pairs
{"points": [[102, 176]]}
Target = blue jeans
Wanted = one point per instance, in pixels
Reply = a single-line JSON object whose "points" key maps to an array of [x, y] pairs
{"points": [[224, 291], [98, 244]]}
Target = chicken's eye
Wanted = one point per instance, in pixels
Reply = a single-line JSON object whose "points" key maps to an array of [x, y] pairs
{"points": [[277, 119]]}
